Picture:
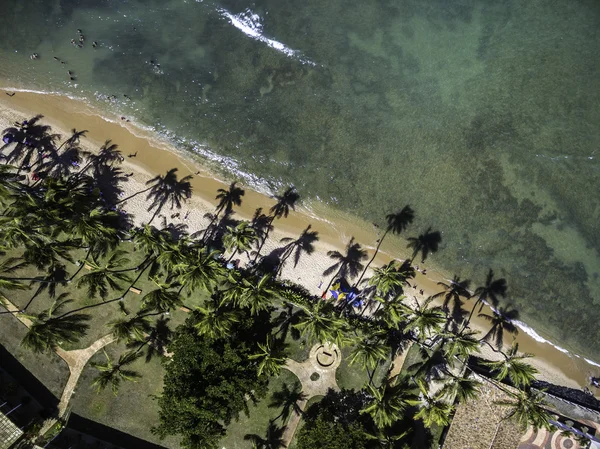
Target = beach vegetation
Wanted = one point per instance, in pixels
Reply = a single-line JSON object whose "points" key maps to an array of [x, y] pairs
{"points": [[73, 266]]}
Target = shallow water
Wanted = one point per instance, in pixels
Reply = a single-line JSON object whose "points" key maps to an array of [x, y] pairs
{"points": [[482, 115]]}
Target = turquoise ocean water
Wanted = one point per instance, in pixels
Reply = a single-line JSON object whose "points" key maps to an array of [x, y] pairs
{"points": [[484, 116]]}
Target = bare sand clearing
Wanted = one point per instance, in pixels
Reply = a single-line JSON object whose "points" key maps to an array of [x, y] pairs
{"points": [[334, 227]]}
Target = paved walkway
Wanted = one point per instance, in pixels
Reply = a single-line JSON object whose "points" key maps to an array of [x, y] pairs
{"points": [[321, 365], [76, 361]]}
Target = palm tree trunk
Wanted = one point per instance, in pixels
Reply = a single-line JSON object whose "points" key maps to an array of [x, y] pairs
{"points": [[155, 213], [468, 321], [120, 298], [372, 258], [82, 265], [135, 194], [264, 240]]}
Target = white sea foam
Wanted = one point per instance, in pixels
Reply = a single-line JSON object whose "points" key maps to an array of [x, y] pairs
{"points": [[250, 24]]}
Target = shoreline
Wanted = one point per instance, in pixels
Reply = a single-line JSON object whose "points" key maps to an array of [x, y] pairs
{"points": [[335, 227]]}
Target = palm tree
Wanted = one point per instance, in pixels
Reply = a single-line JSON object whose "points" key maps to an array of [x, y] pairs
{"points": [[501, 320], [113, 374], [168, 189], [131, 329], [512, 366], [370, 353], [289, 400], [271, 358], [527, 408], [201, 271], [388, 402], [396, 223], [317, 322], [303, 244], [347, 265], [255, 294], [392, 313], [105, 276], [239, 239], [488, 293], [425, 243], [215, 320], [462, 344], [384, 438], [461, 389], [425, 320], [284, 203], [387, 279], [161, 299], [49, 329], [433, 410]]}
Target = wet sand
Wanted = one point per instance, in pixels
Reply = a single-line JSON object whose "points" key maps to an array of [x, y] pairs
{"points": [[334, 227]]}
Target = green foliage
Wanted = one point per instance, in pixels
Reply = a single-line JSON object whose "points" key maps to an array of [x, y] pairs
{"points": [[207, 383], [336, 422]]}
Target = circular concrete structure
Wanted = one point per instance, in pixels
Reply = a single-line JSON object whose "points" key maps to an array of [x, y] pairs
{"points": [[325, 357]]}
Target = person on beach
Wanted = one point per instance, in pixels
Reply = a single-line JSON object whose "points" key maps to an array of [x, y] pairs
{"points": [[34, 56], [94, 44]]}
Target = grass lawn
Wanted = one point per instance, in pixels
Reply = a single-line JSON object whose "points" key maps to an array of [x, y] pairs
{"points": [[258, 419], [133, 410], [49, 369], [101, 315], [413, 356], [355, 377]]}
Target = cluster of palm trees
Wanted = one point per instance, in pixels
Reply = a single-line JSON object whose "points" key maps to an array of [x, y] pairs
{"points": [[60, 207]]}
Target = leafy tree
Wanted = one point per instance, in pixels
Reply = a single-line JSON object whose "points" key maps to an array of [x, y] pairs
{"points": [[206, 384], [112, 374], [324, 434], [336, 422]]}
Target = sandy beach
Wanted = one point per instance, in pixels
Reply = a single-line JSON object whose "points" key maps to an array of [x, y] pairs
{"points": [[335, 228]]}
